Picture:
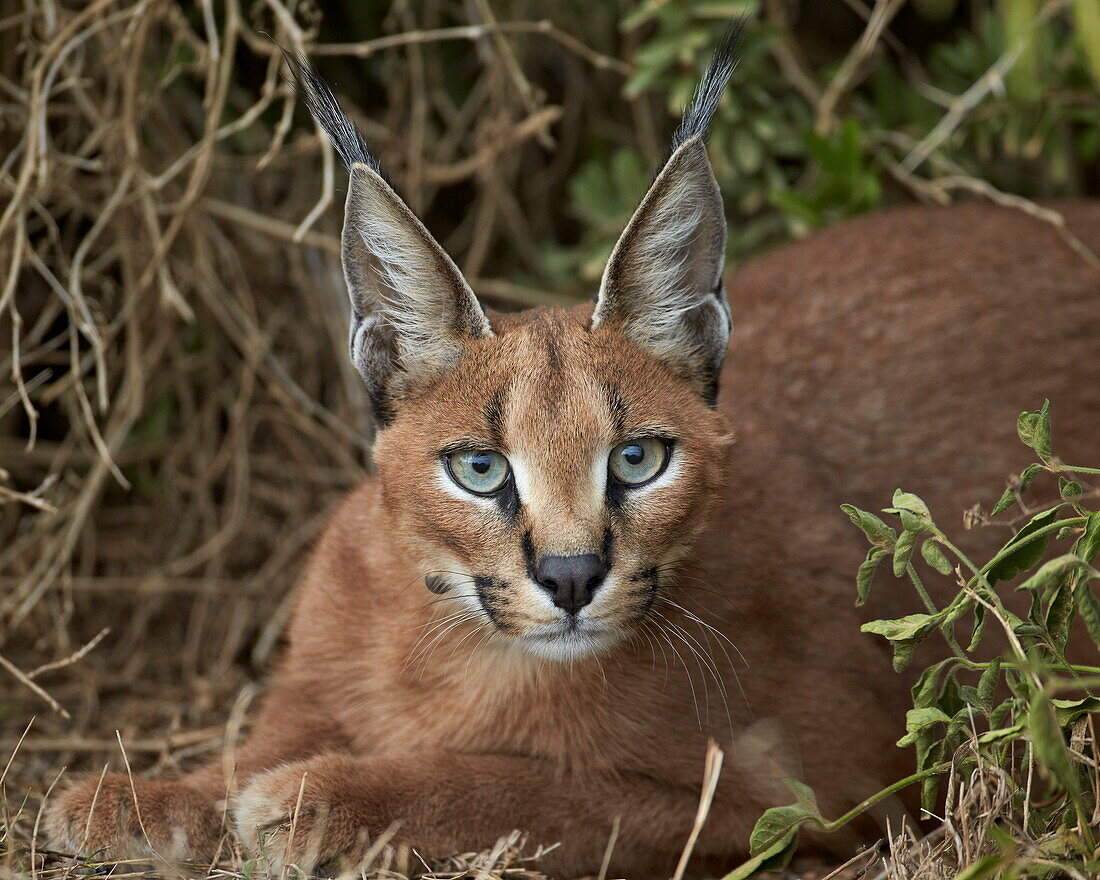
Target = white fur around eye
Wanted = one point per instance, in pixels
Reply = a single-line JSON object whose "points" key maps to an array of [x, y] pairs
{"points": [[522, 475], [443, 481]]}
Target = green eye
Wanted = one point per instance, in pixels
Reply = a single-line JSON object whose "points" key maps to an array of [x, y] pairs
{"points": [[480, 471], [638, 461]]}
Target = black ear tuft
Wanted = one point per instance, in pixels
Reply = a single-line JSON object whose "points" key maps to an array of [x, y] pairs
{"points": [[314, 91], [697, 117]]}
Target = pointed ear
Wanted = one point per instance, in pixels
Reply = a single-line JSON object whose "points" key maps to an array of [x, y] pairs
{"points": [[663, 284], [412, 311]]}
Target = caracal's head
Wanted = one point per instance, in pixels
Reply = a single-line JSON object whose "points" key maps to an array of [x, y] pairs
{"points": [[546, 470]]}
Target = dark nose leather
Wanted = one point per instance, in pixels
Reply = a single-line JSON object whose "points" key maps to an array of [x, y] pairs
{"points": [[571, 580]]}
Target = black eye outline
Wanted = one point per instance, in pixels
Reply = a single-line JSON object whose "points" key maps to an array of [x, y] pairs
{"points": [[668, 443], [445, 457]]}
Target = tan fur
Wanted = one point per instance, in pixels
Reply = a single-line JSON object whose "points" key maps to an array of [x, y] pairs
{"points": [[892, 350]]}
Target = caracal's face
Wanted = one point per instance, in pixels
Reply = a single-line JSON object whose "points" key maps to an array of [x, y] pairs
{"points": [[545, 471], [550, 483]]}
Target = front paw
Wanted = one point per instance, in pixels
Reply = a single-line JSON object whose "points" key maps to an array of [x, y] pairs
{"points": [[170, 821], [312, 814]]}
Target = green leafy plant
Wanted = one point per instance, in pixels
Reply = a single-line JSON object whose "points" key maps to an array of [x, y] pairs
{"points": [[1025, 717], [1016, 81], [846, 183]]}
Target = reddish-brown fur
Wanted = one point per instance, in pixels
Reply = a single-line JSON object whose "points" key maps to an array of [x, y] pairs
{"points": [[892, 350]]}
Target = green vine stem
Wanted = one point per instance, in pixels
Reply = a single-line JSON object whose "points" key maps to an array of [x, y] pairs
{"points": [[1012, 664], [1057, 526], [945, 628], [1078, 470], [885, 793]]}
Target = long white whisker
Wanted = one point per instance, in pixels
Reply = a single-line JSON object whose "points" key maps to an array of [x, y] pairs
{"points": [[436, 624], [713, 629], [701, 658], [683, 662], [488, 633], [723, 637], [657, 642], [458, 644], [426, 652], [713, 669]]}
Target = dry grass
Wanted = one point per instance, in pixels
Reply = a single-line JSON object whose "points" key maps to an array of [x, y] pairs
{"points": [[986, 817], [176, 415]]}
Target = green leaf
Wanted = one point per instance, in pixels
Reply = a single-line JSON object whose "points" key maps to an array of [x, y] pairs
{"points": [[1088, 545], [914, 513], [1051, 573], [1059, 614], [904, 634], [958, 607], [1007, 499], [866, 573], [796, 206], [979, 627], [1003, 712], [917, 720], [1068, 488], [912, 626], [950, 700], [875, 529], [1021, 554], [930, 752], [804, 796], [1068, 711], [935, 557], [903, 550], [1049, 742], [1088, 606], [987, 866], [903, 655], [927, 689], [1016, 486], [779, 823], [987, 684], [1001, 734], [1086, 20], [775, 857], [775, 836], [1034, 430]]}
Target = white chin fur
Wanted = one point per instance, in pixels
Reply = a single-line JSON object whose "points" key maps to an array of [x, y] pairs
{"points": [[564, 645]]}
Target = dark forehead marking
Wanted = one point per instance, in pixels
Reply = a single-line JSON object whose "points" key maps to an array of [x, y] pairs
{"points": [[553, 350], [546, 334], [616, 406], [494, 417]]}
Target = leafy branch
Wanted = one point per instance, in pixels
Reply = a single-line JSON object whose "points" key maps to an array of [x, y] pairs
{"points": [[971, 713]]}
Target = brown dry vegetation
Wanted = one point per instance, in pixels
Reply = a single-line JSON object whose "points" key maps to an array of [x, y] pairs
{"points": [[176, 414]]}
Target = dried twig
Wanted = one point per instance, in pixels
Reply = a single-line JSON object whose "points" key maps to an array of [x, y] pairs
{"points": [[711, 771], [960, 106], [854, 64], [38, 689]]}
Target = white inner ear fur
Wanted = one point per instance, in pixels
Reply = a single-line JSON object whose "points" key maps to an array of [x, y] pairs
{"points": [[402, 283], [662, 284]]}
